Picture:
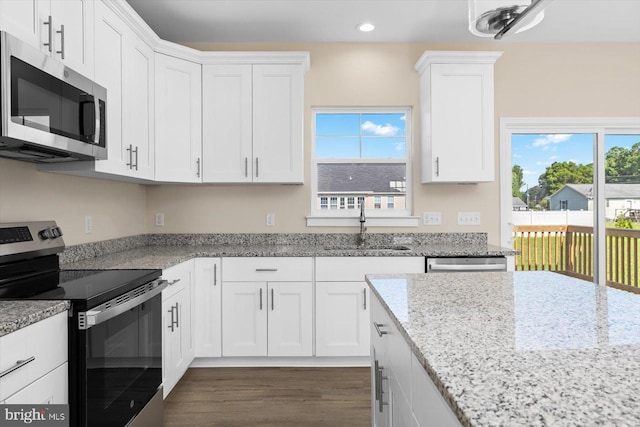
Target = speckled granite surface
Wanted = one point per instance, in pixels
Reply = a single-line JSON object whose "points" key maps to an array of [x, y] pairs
{"points": [[166, 250], [15, 315], [523, 348]]}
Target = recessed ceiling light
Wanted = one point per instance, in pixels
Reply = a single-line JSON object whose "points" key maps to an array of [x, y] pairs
{"points": [[366, 27]]}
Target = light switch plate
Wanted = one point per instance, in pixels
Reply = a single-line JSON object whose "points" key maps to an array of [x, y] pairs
{"points": [[270, 219], [88, 224], [432, 218], [159, 219], [468, 218]]}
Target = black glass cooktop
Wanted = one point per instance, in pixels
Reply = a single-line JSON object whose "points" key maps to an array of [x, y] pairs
{"points": [[84, 288]]}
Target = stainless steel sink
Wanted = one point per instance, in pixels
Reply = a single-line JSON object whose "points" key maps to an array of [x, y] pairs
{"points": [[365, 248]]}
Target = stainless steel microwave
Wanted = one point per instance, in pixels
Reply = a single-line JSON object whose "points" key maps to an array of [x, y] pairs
{"points": [[48, 112]]}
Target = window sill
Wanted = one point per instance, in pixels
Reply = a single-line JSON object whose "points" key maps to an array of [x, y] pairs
{"points": [[387, 221]]}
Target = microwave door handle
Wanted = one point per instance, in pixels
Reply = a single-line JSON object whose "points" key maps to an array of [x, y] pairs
{"points": [[87, 124], [96, 106]]}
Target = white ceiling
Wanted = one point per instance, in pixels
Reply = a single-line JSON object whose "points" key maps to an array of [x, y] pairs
{"points": [[395, 20]]}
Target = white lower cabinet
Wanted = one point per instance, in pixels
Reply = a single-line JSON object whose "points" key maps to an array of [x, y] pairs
{"points": [[208, 307], [402, 394], [267, 307], [177, 324], [342, 300], [41, 351]]}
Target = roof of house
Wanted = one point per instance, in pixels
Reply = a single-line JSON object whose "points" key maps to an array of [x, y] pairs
{"points": [[344, 178], [517, 202], [611, 191]]}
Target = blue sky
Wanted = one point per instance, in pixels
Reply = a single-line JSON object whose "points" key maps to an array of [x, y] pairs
{"points": [[534, 152], [371, 135]]}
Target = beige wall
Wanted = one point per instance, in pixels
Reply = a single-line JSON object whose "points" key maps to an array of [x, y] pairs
{"points": [[117, 209], [531, 80]]}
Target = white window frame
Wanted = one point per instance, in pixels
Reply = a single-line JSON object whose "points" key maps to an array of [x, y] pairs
{"points": [[350, 217], [600, 126]]}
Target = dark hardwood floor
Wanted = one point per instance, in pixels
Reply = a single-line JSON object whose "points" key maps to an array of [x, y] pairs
{"points": [[274, 397]]}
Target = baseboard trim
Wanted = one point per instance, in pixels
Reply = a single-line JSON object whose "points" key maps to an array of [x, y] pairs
{"points": [[306, 362]]}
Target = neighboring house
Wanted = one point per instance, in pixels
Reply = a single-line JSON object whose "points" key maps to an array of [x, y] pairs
{"points": [[621, 199], [341, 186], [519, 205]]}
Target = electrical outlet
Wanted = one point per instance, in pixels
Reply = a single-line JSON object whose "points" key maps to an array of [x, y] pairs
{"points": [[468, 218], [432, 218], [271, 219], [159, 219], [88, 224]]}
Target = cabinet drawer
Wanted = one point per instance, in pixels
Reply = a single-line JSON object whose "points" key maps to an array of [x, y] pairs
{"points": [[178, 276], [267, 269], [52, 389], [353, 269], [45, 341]]}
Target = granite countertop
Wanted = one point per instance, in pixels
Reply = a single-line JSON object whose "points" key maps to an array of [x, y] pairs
{"points": [[165, 256], [523, 348], [15, 315]]}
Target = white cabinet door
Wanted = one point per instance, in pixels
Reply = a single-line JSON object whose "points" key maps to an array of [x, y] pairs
{"points": [[342, 319], [72, 22], [178, 107], [244, 319], [290, 331], [177, 324], [21, 19], [208, 307], [110, 51], [456, 102], [138, 107], [227, 123], [277, 123]]}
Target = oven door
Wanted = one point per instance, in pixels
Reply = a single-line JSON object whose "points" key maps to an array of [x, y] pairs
{"points": [[122, 366]]}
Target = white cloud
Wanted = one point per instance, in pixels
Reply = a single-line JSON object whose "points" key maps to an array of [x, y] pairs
{"points": [[404, 117], [551, 139], [379, 130], [544, 163], [517, 156], [529, 172], [399, 146]]}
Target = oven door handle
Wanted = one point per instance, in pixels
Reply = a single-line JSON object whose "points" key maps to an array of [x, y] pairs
{"points": [[108, 310]]}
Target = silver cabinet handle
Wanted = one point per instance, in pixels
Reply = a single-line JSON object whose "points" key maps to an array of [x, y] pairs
{"points": [[136, 152], [380, 331], [50, 30], [130, 150], [364, 304], [172, 319], [177, 315], [198, 167], [266, 269], [260, 298], [257, 167], [246, 167], [376, 379], [381, 402], [19, 364], [215, 274], [271, 299], [437, 166], [61, 32], [173, 282]]}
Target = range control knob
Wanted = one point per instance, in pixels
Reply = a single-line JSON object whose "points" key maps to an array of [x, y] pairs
{"points": [[57, 232], [50, 233]]}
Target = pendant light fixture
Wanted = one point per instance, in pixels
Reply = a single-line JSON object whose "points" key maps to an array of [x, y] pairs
{"points": [[494, 18]]}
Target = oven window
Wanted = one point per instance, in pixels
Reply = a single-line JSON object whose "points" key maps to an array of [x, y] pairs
{"points": [[124, 364], [42, 101]]}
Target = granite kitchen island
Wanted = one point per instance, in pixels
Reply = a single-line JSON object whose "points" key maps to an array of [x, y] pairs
{"points": [[523, 348]]}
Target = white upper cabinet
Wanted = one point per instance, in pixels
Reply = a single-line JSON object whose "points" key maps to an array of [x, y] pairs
{"points": [[253, 122], [227, 143], [178, 91], [456, 115], [62, 28]]}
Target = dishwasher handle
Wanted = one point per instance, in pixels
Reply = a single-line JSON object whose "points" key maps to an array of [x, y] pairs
{"points": [[466, 267]]}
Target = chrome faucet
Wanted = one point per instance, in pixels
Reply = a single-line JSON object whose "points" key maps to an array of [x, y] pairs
{"points": [[363, 229]]}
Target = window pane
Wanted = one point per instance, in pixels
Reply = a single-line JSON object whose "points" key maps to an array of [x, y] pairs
{"points": [[337, 148], [383, 124], [337, 124], [361, 180], [383, 148]]}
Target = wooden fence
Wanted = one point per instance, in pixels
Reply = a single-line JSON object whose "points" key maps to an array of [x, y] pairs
{"points": [[568, 249]]}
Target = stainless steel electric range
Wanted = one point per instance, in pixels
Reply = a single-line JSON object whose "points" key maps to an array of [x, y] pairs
{"points": [[115, 336]]}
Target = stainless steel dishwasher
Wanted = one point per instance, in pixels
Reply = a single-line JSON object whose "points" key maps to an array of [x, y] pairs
{"points": [[465, 264]]}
